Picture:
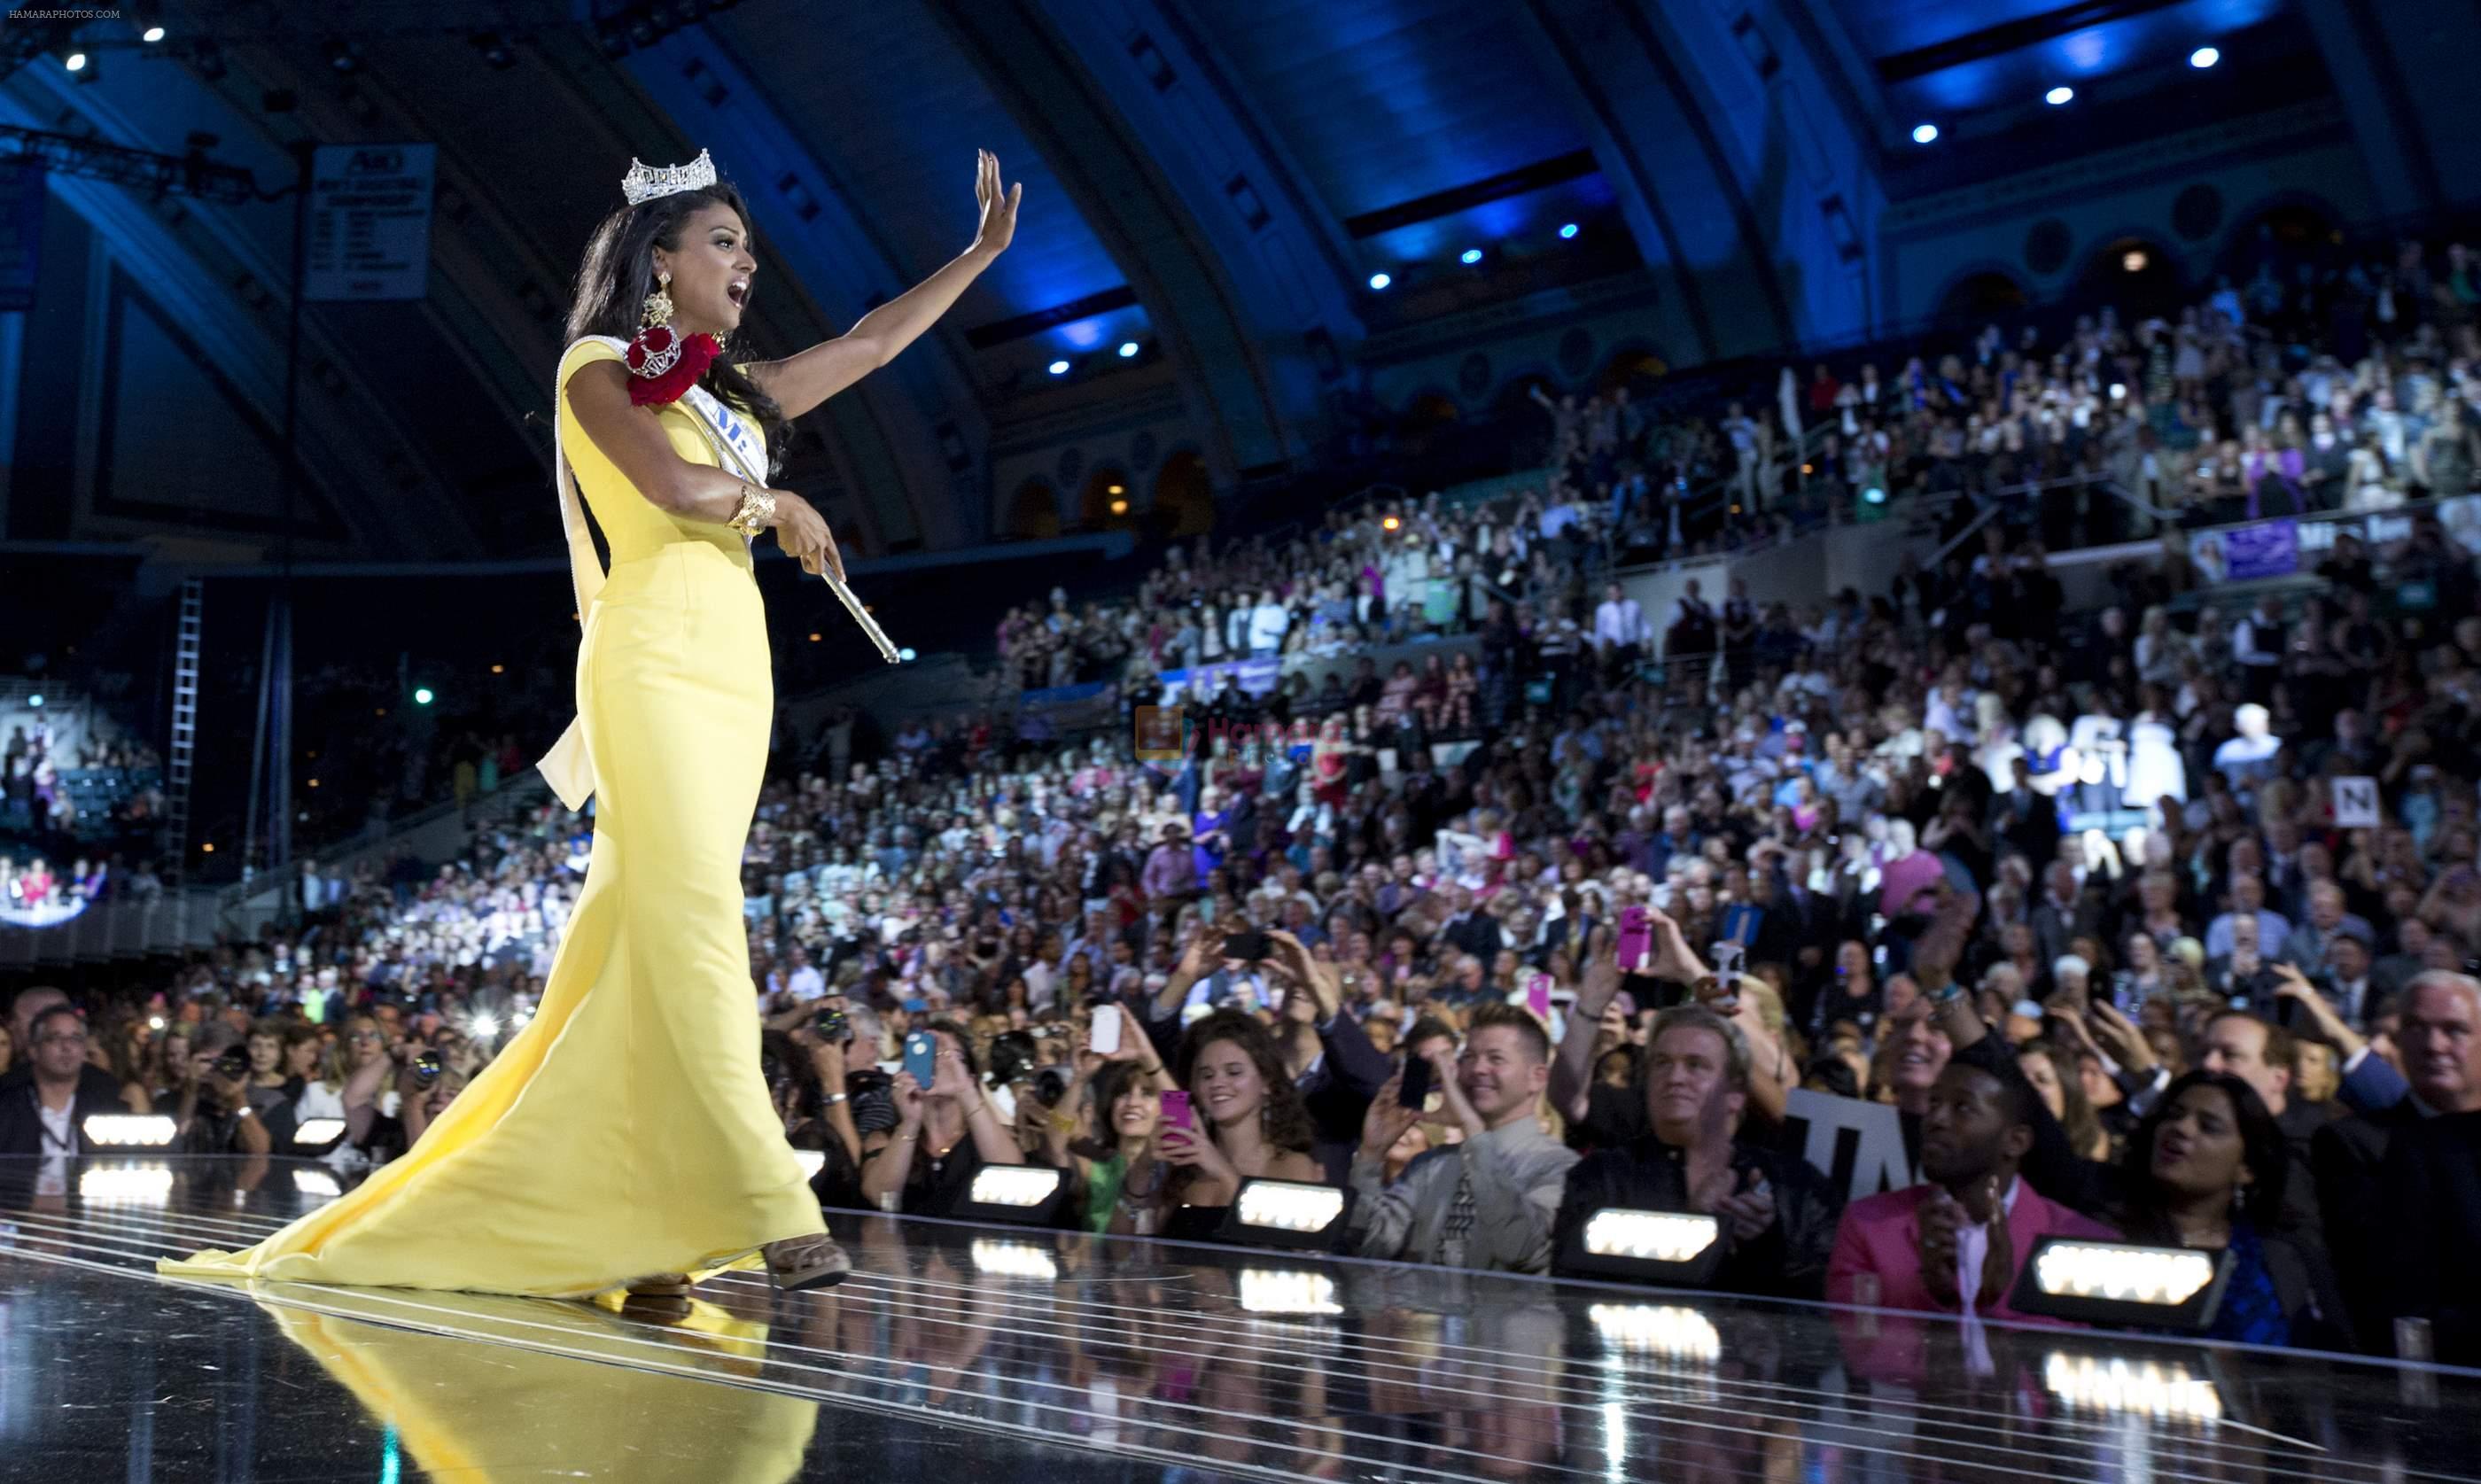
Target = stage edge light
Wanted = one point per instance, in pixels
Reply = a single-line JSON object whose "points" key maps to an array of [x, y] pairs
{"points": [[1021, 1194], [1657, 1329], [2117, 1386], [319, 1184], [2121, 1284], [1285, 1214], [319, 1131], [130, 1131], [1682, 1248]]}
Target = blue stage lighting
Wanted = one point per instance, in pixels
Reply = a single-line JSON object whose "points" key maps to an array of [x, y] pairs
{"points": [[2204, 57], [1473, 255], [1925, 134], [2062, 93], [1567, 231], [1128, 347], [1380, 280], [1060, 368]]}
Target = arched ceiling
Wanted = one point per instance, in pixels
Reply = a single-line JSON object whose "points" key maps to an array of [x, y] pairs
{"points": [[1216, 183]]}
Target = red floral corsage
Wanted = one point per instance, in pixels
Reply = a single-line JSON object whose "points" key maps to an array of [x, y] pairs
{"points": [[656, 344]]}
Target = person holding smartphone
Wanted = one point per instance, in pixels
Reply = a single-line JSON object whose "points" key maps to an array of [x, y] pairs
{"points": [[944, 1132], [1244, 1121], [1488, 1201], [1115, 1159]]}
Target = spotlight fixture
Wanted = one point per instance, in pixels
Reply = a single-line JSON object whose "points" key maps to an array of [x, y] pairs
{"points": [[129, 1131], [2135, 260], [151, 35], [1060, 368], [1925, 132], [2204, 57], [1567, 229], [2062, 93], [75, 62], [1679, 1248], [2119, 1283], [35, 701], [422, 696], [1285, 1214], [1128, 347], [1381, 280], [1019, 1194], [1470, 256], [1119, 507]]}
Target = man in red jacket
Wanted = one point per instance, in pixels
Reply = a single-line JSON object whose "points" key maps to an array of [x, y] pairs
{"points": [[1954, 1244]]}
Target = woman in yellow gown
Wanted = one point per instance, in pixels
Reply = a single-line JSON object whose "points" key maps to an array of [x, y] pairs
{"points": [[625, 1138]]}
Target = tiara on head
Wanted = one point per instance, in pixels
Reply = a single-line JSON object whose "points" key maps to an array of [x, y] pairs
{"points": [[645, 182]]}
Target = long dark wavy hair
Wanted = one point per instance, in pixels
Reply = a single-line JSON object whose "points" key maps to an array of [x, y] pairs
{"points": [[2263, 1152], [1288, 1118], [619, 273]]}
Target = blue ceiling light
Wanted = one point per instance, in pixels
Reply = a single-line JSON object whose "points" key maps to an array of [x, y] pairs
{"points": [[1567, 231], [2062, 93], [1128, 347], [1060, 368], [1925, 134], [153, 35], [2204, 57], [75, 62], [1380, 280], [1471, 255]]}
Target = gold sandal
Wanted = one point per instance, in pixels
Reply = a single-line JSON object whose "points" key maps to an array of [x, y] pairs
{"points": [[799, 1263], [660, 1286]]}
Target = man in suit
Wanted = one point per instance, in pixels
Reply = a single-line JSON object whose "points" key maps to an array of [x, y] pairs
{"points": [[2026, 818], [1955, 1243], [45, 1103], [1471, 932], [2259, 1055], [2364, 1227], [2346, 982], [2429, 1188], [2327, 921], [2063, 914]]}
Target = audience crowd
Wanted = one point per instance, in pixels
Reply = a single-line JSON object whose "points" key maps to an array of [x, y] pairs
{"points": [[2102, 909]]}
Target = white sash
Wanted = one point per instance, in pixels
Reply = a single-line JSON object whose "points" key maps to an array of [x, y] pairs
{"points": [[566, 766]]}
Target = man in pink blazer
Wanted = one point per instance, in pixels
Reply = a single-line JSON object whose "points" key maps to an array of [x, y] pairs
{"points": [[1955, 1243]]}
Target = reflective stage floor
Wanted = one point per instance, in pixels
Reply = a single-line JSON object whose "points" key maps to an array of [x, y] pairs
{"points": [[957, 1353]]}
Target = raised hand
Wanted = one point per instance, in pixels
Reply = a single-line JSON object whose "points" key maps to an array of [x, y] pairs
{"points": [[996, 206], [1387, 1119]]}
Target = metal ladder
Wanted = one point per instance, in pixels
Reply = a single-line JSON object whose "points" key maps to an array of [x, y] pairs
{"points": [[185, 731]]}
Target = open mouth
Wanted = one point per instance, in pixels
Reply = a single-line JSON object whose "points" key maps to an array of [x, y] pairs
{"points": [[737, 291]]}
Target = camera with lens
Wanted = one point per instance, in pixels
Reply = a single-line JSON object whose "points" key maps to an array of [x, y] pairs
{"points": [[832, 1026], [425, 1067], [1012, 1058], [1050, 1085], [234, 1064]]}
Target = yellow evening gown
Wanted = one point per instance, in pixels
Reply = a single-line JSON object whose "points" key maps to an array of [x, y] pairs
{"points": [[627, 1130]]}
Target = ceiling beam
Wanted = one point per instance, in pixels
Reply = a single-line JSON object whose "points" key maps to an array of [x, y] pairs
{"points": [[2012, 35]]}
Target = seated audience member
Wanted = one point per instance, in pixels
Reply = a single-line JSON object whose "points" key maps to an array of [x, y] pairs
{"points": [[1247, 1123], [1955, 1242], [944, 1132], [2429, 1189], [2241, 1045], [1488, 1201], [2210, 1168], [1778, 1214], [47, 1097]]}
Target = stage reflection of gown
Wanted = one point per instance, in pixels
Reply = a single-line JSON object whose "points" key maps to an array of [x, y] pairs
{"points": [[486, 1413]]}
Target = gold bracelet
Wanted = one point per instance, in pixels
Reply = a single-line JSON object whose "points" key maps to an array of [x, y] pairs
{"points": [[757, 508]]}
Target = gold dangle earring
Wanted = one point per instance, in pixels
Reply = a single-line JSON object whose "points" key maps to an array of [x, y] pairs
{"points": [[656, 348]]}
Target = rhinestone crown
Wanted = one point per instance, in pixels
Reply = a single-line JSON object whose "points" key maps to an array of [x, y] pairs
{"points": [[645, 182]]}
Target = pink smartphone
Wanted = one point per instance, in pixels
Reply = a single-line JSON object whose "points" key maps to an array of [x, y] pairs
{"points": [[1636, 938], [1537, 996], [1176, 1113]]}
